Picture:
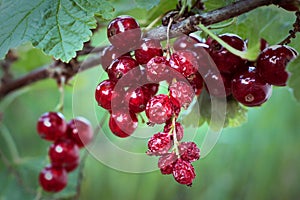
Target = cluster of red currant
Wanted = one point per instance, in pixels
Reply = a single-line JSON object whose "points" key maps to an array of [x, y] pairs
{"points": [[67, 138], [136, 66]]}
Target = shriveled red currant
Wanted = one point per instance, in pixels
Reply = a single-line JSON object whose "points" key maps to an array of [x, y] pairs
{"points": [[166, 163], [159, 144], [189, 151], [183, 92], [184, 172]]}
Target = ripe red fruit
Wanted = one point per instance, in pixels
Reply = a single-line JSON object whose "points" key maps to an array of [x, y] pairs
{"points": [[80, 131], [64, 153], [136, 100], [122, 123], [249, 88], [158, 69], [148, 49], [109, 54], [166, 163], [272, 62], [104, 92], [189, 151], [182, 92], [196, 82], [159, 144], [159, 109], [218, 85], [53, 179], [149, 90], [124, 32], [51, 126], [120, 66], [184, 172], [185, 42], [226, 61]]}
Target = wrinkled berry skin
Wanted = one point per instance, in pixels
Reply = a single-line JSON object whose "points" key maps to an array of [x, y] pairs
{"points": [[189, 151], [158, 69], [159, 144], [183, 172], [166, 163], [178, 128], [272, 62], [183, 92], [159, 109]]}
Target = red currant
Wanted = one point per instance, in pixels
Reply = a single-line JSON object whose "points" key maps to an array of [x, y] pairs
{"points": [[147, 50], [104, 92], [109, 54], [182, 92], [159, 144], [183, 172], [166, 163], [189, 151], [178, 128], [53, 179], [122, 123]]}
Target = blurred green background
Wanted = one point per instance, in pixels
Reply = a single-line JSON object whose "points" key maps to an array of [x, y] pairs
{"points": [[258, 160]]}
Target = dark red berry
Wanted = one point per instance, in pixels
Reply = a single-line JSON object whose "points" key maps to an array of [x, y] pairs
{"points": [[189, 151], [120, 67], [122, 123], [53, 179], [63, 153], [80, 131], [159, 144], [103, 93], [185, 62], [148, 49], [263, 44], [272, 62], [149, 90], [218, 85], [226, 61], [109, 54], [183, 172], [136, 100], [124, 32], [158, 69], [178, 128], [183, 92], [249, 88], [185, 42], [51, 126], [166, 163], [159, 109], [196, 82]]}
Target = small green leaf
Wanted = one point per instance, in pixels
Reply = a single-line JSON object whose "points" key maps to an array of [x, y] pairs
{"points": [[146, 4], [294, 80]]}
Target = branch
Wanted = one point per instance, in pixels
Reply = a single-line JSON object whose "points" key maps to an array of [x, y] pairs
{"points": [[186, 26]]}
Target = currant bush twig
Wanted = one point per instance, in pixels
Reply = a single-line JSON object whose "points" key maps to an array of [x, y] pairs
{"points": [[292, 33]]}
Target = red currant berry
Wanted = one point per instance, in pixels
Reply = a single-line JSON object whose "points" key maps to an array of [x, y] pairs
{"points": [[185, 42], [182, 92], [185, 62], [53, 179], [149, 90], [196, 82], [109, 54], [63, 153], [249, 88], [120, 66], [51, 126], [80, 131], [136, 99], [178, 128], [147, 50], [166, 163], [123, 124], [159, 144], [226, 61], [189, 151], [183, 172], [272, 62], [159, 109], [158, 69], [124, 32], [218, 85], [104, 92]]}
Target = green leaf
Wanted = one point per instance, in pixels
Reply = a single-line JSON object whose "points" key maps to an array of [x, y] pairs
{"points": [[146, 4], [294, 80], [59, 27]]}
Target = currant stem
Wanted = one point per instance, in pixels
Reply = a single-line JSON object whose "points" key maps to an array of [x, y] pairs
{"points": [[168, 38], [242, 54], [176, 143], [60, 105]]}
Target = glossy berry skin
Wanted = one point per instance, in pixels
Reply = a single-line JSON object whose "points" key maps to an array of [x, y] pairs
{"points": [[53, 179], [189, 151], [64, 153], [183, 172], [109, 54], [148, 49], [158, 69], [136, 100], [178, 128], [124, 32], [122, 123], [104, 92], [226, 61], [185, 42], [272, 62], [218, 85], [249, 88], [185, 62], [166, 163], [159, 109], [196, 82], [51, 126], [149, 90], [183, 92], [80, 131], [120, 66], [159, 144]]}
